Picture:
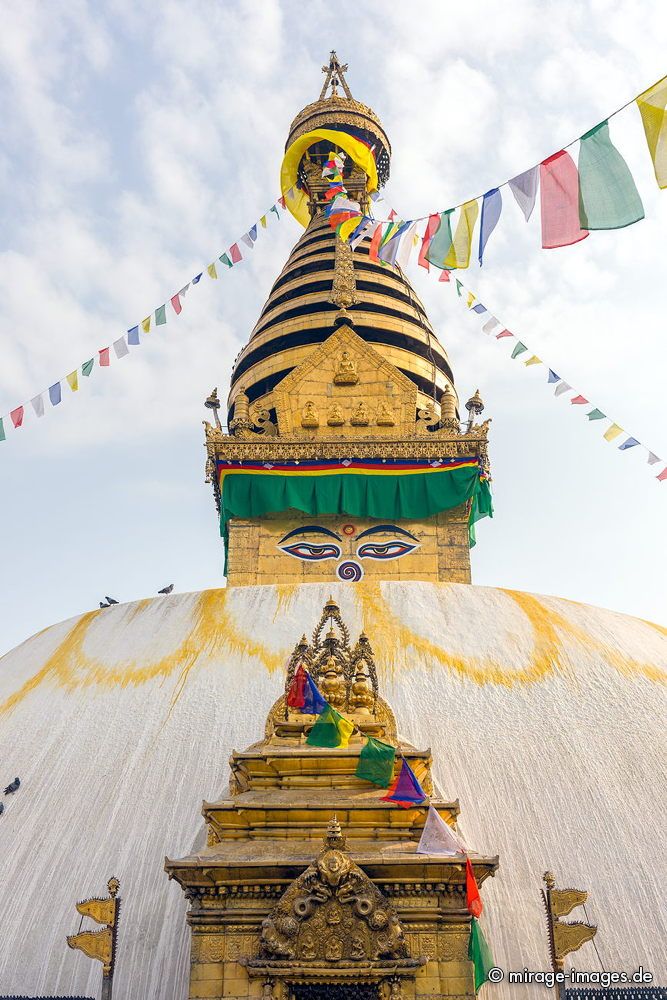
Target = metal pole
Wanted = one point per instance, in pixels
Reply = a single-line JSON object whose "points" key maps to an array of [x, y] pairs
{"points": [[107, 986]]}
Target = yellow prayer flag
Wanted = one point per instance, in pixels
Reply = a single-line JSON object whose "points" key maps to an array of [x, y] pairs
{"points": [[345, 730], [459, 252], [146, 324], [612, 432], [652, 106], [346, 228], [470, 299], [262, 222], [212, 271], [73, 381], [533, 361]]}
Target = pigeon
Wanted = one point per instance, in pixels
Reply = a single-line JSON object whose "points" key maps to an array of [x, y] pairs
{"points": [[111, 600], [166, 590], [12, 786], [103, 605]]}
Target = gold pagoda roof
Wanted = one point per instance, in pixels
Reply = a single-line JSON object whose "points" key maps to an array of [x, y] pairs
{"points": [[303, 310]]}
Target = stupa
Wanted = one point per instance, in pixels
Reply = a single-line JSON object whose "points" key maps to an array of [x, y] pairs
{"points": [[346, 479]]}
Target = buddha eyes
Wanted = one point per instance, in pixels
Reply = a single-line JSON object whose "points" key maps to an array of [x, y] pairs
{"points": [[312, 552], [385, 550]]}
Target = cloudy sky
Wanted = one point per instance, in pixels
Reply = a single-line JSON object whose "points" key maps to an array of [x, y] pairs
{"points": [[140, 140]]}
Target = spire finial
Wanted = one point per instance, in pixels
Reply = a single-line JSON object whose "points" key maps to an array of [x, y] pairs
{"points": [[335, 77]]}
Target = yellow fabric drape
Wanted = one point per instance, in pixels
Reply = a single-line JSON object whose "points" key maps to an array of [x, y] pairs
{"points": [[459, 252], [652, 106], [361, 154]]}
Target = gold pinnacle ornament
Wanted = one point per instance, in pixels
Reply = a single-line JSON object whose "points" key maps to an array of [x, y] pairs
{"points": [[564, 937]]}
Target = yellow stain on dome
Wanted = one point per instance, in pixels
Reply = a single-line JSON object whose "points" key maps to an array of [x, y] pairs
{"points": [[214, 633], [392, 640]]}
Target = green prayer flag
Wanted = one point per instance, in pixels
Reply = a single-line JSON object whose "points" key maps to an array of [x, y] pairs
{"points": [[459, 288], [330, 730], [596, 414], [608, 197], [519, 349], [225, 260], [3, 436], [376, 762], [441, 242], [160, 315], [87, 367], [479, 954]]}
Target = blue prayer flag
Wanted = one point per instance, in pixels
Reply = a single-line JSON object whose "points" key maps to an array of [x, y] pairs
{"points": [[406, 790], [55, 393], [313, 702], [492, 205], [133, 335], [197, 277], [479, 308], [630, 443], [553, 377]]}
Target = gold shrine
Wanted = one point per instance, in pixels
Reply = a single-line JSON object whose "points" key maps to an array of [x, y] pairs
{"points": [[310, 885]]}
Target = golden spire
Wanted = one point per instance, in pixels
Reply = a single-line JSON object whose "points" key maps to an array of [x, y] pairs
{"points": [[335, 77]]}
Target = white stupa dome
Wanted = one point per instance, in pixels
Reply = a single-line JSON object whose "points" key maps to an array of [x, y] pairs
{"points": [[546, 719]]}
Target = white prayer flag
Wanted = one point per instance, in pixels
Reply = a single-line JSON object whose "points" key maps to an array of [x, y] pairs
{"points": [[561, 388], [247, 239], [438, 837], [489, 325], [524, 189], [120, 347], [652, 459], [38, 406], [406, 247], [367, 230]]}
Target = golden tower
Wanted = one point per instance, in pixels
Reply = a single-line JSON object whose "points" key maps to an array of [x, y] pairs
{"points": [[345, 456]]}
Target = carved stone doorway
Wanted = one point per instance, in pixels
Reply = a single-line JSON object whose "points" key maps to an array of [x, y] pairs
{"points": [[335, 991]]}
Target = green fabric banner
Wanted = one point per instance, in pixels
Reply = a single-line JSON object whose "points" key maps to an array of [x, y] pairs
{"points": [[396, 497], [479, 954], [441, 243], [376, 762], [608, 197], [330, 730]]}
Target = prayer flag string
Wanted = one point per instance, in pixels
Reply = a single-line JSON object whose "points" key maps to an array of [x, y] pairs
{"points": [[121, 347], [598, 192], [491, 323]]}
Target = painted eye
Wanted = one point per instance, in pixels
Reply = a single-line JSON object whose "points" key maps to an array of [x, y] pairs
{"points": [[385, 550], [311, 552]]}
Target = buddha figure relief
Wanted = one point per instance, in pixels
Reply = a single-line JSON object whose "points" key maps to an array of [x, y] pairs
{"points": [[309, 416], [360, 416], [335, 416], [384, 418], [346, 373], [332, 684]]}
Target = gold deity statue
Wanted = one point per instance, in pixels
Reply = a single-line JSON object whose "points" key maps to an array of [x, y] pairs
{"points": [[335, 416], [332, 684], [360, 416], [385, 417], [346, 373], [309, 416]]}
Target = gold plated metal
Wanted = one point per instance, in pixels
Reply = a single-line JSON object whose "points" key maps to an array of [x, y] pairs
{"points": [[272, 908], [564, 938], [100, 945]]}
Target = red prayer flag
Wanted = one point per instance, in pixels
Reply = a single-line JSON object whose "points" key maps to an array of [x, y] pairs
{"points": [[104, 357], [663, 475], [444, 275], [236, 253], [579, 399], [375, 243], [281, 201], [431, 226], [17, 418], [176, 303], [296, 693], [559, 202], [473, 898], [503, 333]]}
